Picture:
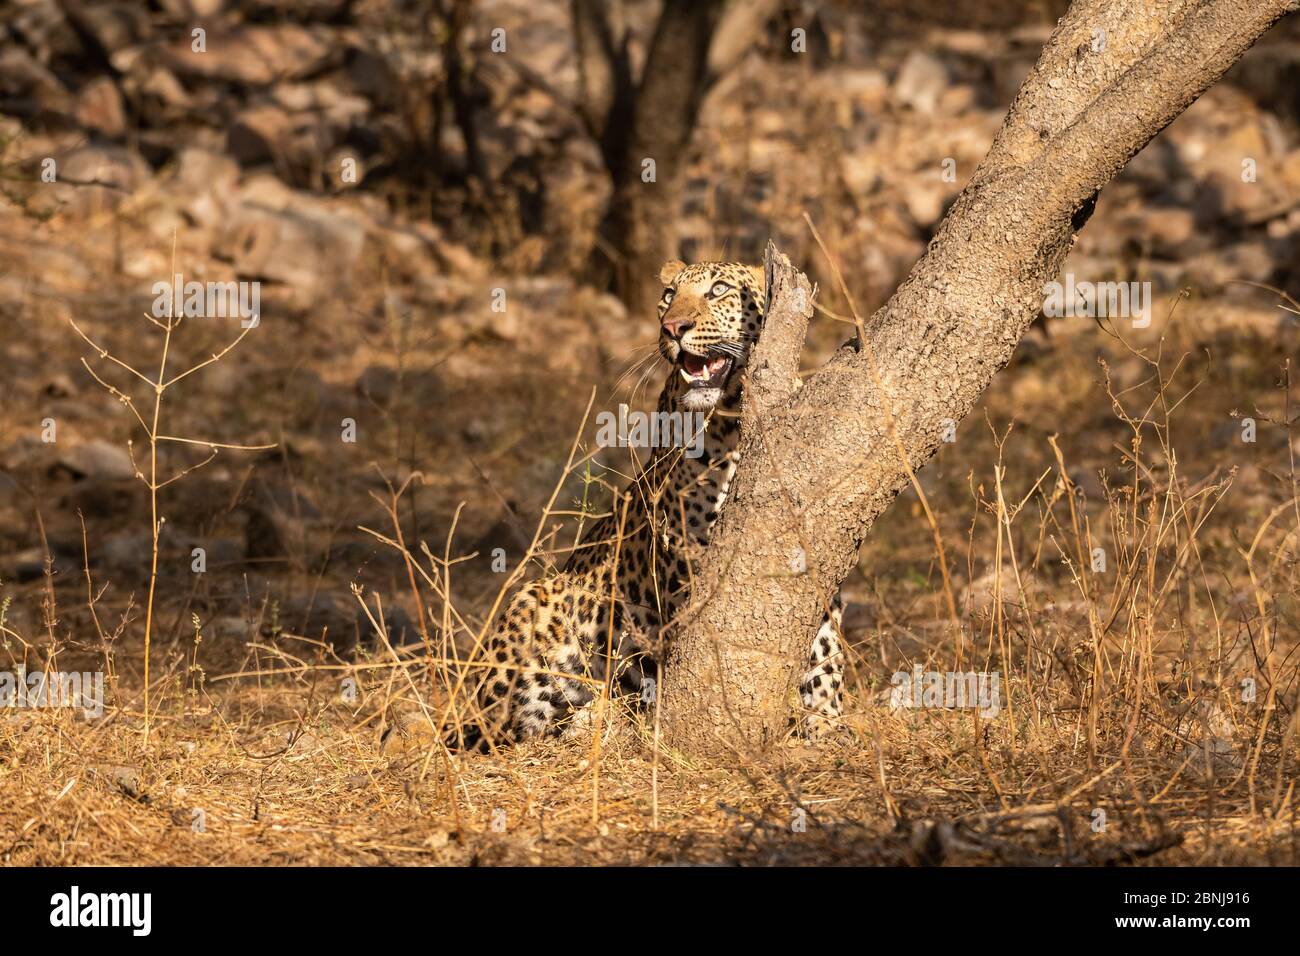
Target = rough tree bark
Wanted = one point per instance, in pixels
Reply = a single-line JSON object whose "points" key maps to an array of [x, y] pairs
{"points": [[820, 463]]}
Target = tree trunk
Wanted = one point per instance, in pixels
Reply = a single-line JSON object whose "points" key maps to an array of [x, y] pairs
{"points": [[818, 465], [634, 239], [695, 43]]}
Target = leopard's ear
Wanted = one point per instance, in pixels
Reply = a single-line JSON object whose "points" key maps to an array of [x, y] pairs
{"points": [[670, 270], [760, 277]]}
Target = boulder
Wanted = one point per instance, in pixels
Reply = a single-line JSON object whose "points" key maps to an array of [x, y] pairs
{"points": [[97, 460], [921, 81], [113, 26], [279, 235], [252, 55], [23, 78], [94, 177], [204, 182], [282, 523], [99, 107]]}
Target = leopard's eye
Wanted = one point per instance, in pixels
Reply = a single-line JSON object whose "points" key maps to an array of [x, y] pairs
{"points": [[719, 289], [668, 295]]}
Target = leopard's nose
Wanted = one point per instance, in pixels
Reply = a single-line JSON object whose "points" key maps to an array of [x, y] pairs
{"points": [[676, 328]]}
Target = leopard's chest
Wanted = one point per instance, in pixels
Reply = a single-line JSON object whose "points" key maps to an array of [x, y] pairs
{"points": [[688, 515]]}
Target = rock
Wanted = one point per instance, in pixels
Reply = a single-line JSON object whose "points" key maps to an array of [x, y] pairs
{"points": [[128, 780], [29, 564], [456, 260], [44, 29], [204, 169], [91, 177], [297, 128], [1285, 227], [990, 587], [921, 81], [861, 172], [192, 9], [321, 97], [407, 250], [125, 550], [291, 238], [101, 499], [412, 732], [867, 86], [252, 55], [24, 78], [1234, 156], [58, 385], [114, 26], [230, 627], [1170, 230], [371, 75], [24, 566], [957, 99], [151, 81], [98, 460], [888, 248], [281, 523], [398, 626], [378, 383], [1252, 260], [262, 134], [99, 107], [204, 180]]}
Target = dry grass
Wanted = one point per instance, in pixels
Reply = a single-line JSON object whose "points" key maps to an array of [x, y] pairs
{"points": [[1122, 688], [1125, 733], [282, 776]]}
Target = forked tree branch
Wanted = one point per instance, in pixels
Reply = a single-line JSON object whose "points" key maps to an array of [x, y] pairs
{"points": [[819, 466]]}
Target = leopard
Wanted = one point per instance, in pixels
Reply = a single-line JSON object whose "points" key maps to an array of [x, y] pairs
{"points": [[604, 619]]}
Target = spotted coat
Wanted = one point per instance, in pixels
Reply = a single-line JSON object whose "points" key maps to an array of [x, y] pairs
{"points": [[607, 614]]}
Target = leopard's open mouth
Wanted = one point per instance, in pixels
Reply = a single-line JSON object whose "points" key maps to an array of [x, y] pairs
{"points": [[705, 371]]}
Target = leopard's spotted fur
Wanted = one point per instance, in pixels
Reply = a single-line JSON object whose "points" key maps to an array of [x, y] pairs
{"points": [[555, 642]]}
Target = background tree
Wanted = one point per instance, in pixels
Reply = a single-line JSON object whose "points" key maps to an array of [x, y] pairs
{"points": [[651, 117]]}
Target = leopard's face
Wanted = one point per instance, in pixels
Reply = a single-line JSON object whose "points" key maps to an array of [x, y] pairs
{"points": [[709, 318]]}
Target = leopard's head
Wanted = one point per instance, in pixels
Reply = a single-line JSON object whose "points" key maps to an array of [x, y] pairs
{"points": [[709, 318]]}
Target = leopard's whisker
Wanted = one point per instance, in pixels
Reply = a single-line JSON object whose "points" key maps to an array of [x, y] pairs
{"points": [[641, 383], [635, 368]]}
